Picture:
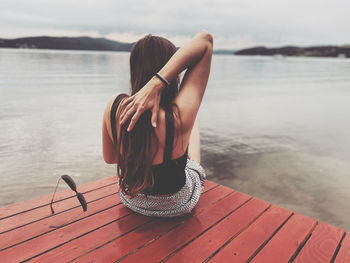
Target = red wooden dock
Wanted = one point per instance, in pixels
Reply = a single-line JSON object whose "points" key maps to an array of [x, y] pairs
{"points": [[225, 226]]}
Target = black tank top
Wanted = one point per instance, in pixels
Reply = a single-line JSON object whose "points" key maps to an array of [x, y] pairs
{"points": [[169, 176]]}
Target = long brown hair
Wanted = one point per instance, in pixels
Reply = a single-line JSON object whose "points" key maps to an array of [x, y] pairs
{"points": [[148, 56]]}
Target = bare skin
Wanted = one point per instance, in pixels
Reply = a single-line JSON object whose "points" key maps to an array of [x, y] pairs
{"points": [[195, 56], [194, 144]]}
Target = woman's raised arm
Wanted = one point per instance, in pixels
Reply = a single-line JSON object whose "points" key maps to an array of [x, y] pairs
{"points": [[195, 56]]}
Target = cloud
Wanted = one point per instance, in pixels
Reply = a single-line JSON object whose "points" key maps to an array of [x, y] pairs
{"points": [[234, 23]]}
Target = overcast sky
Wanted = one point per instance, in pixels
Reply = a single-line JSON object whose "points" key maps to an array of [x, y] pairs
{"points": [[233, 23]]}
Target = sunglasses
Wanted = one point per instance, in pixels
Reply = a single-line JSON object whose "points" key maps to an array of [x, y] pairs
{"points": [[69, 181]]}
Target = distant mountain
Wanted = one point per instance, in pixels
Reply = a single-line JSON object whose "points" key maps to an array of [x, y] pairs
{"points": [[316, 51], [89, 43], [75, 43], [224, 51], [71, 43]]}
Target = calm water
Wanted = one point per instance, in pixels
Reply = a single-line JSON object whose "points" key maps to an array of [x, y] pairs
{"points": [[278, 129]]}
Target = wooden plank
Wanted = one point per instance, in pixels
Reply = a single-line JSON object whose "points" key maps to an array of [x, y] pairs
{"points": [[225, 224], [108, 233], [118, 228], [17, 208], [322, 244], [62, 235], [189, 229], [44, 226], [205, 245], [41, 212], [118, 245], [65, 234], [246, 243], [343, 255], [209, 185], [287, 240]]}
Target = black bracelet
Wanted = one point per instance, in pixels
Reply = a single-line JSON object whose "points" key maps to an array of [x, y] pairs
{"points": [[163, 80]]}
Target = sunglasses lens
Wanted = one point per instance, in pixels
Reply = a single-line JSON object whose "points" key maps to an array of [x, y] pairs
{"points": [[70, 182], [82, 201]]}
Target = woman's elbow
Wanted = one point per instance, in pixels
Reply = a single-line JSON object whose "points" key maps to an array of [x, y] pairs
{"points": [[109, 159], [207, 36]]}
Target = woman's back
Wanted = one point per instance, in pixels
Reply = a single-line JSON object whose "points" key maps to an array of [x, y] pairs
{"points": [[180, 139], [170, 159]]}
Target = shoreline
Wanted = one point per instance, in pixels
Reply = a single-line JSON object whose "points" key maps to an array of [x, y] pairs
{"points": [[235, 56]]}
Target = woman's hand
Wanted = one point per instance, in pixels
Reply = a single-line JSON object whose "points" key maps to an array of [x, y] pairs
{"points": [[147, 98]]}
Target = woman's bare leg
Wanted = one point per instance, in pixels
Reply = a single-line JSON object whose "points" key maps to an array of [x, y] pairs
{"points": [[194, 143]]}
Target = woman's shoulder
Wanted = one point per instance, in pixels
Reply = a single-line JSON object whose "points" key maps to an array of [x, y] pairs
{"points": [[111, 102], [113, 99], [108, 109]]}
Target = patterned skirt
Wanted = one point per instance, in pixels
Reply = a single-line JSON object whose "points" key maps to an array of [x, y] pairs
{"points": [[177, 204]]}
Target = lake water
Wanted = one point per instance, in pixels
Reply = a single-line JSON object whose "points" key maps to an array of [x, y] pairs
{"points": [[277, 129]]}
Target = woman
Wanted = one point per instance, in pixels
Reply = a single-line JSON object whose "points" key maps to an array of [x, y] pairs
{"points": [[153, 135]]}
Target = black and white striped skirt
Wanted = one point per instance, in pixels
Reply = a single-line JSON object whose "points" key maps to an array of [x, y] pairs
{"points": [[177, 204]]}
